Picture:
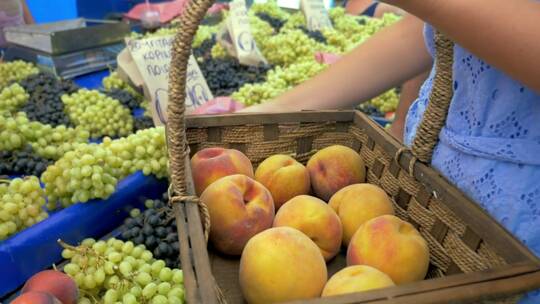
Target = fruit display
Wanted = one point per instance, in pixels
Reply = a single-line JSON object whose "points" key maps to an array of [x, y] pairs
{"points": [[55, 283], [111, 271], [21, 205], [22, 162], [12, 97], [283, 256]]}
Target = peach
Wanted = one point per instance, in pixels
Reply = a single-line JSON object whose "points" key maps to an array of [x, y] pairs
{"points": [[315, 219], [284, 177], [358, 203], [54, 282], [391, 245], [211, 164], [239, 208], [281, 264], [36, 297], [333, 168], [356, 278]]}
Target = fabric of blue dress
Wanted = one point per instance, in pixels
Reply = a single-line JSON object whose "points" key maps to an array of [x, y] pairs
{"points": [[490, 145]]}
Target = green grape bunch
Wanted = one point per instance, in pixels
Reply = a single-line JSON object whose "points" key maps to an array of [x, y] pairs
{"points": [[11, 137], [15, 71], [114, 82], [98, 114], [386, 102], [12, 97], [115, 271], [21, 205]]}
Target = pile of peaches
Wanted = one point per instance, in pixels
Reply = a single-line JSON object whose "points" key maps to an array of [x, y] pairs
{"points": [[286, 220]]}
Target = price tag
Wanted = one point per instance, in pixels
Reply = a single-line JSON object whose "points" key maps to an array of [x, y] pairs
{"points": [[240, 36], [153, 57], [315, 14]]}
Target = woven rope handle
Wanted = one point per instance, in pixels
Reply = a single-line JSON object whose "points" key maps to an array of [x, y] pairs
{"points": [[178, 148], [427, 134]]}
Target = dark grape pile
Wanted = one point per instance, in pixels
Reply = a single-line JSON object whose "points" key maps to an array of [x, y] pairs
{"points": [[225, 75], [204, 50], [125, 98], [22, 162], [276, 23], [141, 123], [370, 109], [156, 229], [315, 35], [45, 104]]}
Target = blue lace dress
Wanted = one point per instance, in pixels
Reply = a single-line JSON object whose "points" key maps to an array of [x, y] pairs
{"points": [[490, 145]]}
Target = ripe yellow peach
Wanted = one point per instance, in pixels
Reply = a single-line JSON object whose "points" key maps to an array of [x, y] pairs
{"points": [[284, 177], [281, 264], [391, 245], [358, 203], [211, 164], [356, 278], [333, 168], [239, 208], [315, 219]]}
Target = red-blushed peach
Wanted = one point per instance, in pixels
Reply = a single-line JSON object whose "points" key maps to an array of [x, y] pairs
{"points": [[281, 264], [54, 282], [284, 177], [358, 203], [333, 168], [211, 164], [314, 218], [36, 297], [356, 278], [391, 245], [239, 208]]}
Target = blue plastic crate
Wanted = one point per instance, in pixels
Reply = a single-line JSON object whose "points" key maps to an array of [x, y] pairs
{"points": [[36, 248]]}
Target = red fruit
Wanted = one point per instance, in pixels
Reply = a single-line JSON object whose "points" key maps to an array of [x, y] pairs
{"points": [[36, 297], [56, 283]]}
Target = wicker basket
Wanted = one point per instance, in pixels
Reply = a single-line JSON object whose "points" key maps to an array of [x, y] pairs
{"points": [[473, 258]]}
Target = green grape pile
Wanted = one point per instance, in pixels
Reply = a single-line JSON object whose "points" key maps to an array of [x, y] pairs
{"points": [[260, 30], [10, 135], [98, 114], [113, 81], [218, 51], [114, 271], [292, 46], [53, 142], [161, 32], [21, 205], [386, 102], [88, 172], [294, 21], [204, 32], [15, 71], [92, 171], [12, 97], [278, 81], [145, 150], [270, 8]]}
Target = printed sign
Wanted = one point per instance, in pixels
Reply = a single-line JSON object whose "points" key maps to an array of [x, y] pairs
{"points": [[240, 36], [152, 57], [315, 14]]}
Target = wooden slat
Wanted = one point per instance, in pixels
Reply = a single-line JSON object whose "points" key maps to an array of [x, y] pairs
{"points": [[268, 118], [190, 280], [271, 132], [200, 258], [473, 215], [520, 277]]}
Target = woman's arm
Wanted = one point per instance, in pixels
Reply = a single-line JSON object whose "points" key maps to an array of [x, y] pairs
{"points": [[28, 18], [506, 34], [392, 56]]}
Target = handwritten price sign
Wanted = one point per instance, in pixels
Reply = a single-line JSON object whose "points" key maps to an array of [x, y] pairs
{"points": [[316, 15], [152, 57]]}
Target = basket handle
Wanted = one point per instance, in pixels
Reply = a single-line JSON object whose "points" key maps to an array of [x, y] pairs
{"points": [[434, 118]]}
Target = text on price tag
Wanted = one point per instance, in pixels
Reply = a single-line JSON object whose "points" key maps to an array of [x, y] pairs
{"points": [[316, 15], [153, 57]]}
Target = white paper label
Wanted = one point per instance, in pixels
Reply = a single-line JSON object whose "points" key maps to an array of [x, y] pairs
{"points": [[153, 57], [245, 48], [316, 15], [295, 4]]}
